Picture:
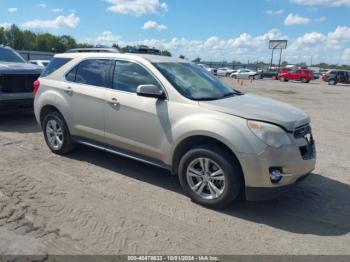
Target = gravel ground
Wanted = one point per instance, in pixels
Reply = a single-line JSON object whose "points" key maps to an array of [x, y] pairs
{"points": [[91, 202]]}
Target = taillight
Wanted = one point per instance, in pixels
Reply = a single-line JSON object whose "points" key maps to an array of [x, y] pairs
{"points": [[36, 86]]}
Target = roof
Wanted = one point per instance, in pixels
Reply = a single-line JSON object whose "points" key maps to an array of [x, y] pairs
{"points": [[150, 58]]}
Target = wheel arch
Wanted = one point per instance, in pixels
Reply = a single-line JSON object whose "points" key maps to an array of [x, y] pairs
{"points": [[196, 140]]}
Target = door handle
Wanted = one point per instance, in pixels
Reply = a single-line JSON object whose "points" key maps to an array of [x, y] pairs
{"points": [[114, 102], [69, 91]]}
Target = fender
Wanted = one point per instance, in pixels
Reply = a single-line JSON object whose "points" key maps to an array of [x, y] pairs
{"points": [[229, 130]]}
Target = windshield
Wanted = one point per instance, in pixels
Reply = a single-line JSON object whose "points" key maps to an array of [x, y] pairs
{"points": [[194, 82], [8, 55]]}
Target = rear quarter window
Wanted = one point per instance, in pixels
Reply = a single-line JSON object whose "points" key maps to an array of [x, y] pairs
{"points": [[54, 65]]}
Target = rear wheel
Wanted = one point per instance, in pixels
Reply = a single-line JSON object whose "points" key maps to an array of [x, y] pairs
{"points": [[56, 133], [282, 79], [210, 177]]}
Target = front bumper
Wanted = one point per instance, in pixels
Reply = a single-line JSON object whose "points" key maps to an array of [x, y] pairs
{"points": [[14, 102], [291, 161]]}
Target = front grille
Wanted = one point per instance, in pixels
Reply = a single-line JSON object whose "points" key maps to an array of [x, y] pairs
{"points": [[17, 83], [308, 151]]}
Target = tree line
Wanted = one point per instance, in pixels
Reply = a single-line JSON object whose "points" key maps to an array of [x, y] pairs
{"points": [[45, 42], [26, 40]]}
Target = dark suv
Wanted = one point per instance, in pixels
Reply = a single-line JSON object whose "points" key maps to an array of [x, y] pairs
{"points": [[16, 80], [334, 77]]}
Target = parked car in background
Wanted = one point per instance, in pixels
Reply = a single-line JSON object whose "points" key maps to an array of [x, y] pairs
{"points": [[270, 73], [211, 70], [317, 74], [16, 80], [245, 73], [225, 71], [42, 63], [296, 74], [334, 77], [171, 113]]}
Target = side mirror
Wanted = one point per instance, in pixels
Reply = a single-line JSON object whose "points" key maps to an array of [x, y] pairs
{"points": [[150, 91]]}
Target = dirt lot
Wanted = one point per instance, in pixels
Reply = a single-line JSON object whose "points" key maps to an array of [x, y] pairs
{"points": [[92, 202]]}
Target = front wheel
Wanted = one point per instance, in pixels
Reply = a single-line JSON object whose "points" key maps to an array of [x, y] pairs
{"points": [[210, 177], [332, 82], [304, 80]]}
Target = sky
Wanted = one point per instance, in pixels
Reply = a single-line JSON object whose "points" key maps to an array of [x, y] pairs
{"points": [[216, 30]]}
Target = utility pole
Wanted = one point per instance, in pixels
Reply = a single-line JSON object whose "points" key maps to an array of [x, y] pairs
{"points": [[273, 50]]}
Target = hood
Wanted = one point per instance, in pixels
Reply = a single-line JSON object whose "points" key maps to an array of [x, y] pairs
{"points": [[255, 107], [19, 68]]}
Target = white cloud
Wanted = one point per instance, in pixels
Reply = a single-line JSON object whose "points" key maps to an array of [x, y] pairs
{"points": [[136, 7], [71, 21], [5, 25], [320, 19], [57, 10], [324, 47], [154, 25], [164, 7], [274, 12], [346, 55], [107, 38], [330, 3], [329, 47], [212, 48], [42, 5], [294, 19], [12, 9]]}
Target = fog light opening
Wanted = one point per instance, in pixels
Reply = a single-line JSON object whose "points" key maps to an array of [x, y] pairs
{"points": [[275, 175]]}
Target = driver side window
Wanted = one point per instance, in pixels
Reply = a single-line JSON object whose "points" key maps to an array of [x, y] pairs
{"points": [[128, 76]]}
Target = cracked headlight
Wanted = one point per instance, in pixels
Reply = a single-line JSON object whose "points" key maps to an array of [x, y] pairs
{"points": [[271, 135]]}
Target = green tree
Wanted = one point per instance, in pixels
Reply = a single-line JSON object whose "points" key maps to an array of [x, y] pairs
{"points": [[165, 53], [197, 60]]}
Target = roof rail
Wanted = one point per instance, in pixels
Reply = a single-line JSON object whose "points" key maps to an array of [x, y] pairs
{"points": [[92, 50]]}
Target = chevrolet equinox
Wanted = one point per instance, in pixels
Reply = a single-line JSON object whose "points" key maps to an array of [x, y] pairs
{"points": [[173, 114]]}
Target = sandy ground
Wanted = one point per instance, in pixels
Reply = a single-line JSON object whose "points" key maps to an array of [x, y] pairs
{"points": [[92, 202]]}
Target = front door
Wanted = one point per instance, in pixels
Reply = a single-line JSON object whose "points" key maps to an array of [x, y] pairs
{"points": [[134, 123]]}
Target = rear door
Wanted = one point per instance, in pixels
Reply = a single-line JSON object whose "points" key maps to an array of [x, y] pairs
{"points": [[84, 91]]}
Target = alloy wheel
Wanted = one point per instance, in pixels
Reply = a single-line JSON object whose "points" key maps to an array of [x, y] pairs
{"points": [[206, 178], [54, 134]]}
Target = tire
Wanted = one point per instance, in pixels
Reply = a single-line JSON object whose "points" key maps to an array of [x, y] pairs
{"points": [[304, 80], [332, 82], [234, 77], [229, 182], [251, 77], [282, 79], [55, 128]]}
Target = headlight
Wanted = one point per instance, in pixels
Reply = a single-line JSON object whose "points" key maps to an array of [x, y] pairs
{"points": [[271, 135]]}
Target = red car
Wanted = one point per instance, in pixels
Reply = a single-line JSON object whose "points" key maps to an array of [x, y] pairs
{"points": [[303, 75]]}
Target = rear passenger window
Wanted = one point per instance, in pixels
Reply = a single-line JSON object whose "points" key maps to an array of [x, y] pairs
{"points": [[55, 64], [128, 76], [96, 72]]}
